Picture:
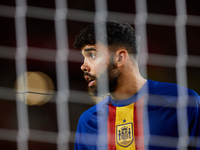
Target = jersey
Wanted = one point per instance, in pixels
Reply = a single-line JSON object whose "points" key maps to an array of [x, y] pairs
{"points": [[150, 119]]}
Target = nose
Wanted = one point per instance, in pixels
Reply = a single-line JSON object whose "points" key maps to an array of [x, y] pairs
{"points": [[85, 67]]}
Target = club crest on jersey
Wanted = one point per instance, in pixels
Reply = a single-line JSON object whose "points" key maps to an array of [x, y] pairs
{"points": [[124, 134]]}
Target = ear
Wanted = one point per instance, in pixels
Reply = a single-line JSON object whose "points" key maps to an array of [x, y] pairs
{"points": [[121, 56]]}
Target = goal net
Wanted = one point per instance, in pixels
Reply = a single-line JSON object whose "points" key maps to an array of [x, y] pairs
{"points": [[42, 89]]}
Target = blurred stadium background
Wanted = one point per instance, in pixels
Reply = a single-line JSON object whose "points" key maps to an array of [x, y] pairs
{"points": [[44, 121]]}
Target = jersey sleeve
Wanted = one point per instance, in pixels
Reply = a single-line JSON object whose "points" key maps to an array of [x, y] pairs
{"points": [[194, 119], [83, 139], [197, 136], [86, 133], [79, 136]]}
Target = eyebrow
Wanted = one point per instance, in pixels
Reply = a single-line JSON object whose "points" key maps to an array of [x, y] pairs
{"points": [[88, 49]]}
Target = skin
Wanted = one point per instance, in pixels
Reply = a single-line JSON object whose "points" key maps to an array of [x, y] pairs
{"points": [[96, 61]]}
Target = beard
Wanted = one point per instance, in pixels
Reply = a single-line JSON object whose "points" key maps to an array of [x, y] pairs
{"points": [[112, 74]]}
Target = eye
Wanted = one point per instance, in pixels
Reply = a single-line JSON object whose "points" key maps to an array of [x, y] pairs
{"points": [[93, 56]]}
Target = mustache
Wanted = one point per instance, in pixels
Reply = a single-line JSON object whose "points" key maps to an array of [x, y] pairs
{"points": [[89, 75]]}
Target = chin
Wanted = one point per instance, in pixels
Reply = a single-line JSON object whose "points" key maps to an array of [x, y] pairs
{"points": [[96, 93]]}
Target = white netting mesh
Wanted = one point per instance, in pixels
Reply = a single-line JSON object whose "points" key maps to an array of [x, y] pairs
{"points": [[38, 37]]}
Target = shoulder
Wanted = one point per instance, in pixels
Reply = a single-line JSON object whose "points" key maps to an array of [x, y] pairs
{"points": [[87, 128], [92, 112], [170, 92], [170, 89]]}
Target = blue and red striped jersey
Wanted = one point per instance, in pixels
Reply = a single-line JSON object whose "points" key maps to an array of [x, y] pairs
{"points": [[155, 118]]}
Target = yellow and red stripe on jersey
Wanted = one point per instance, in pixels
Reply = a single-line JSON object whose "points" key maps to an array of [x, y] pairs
{"points": [[125, 127]]}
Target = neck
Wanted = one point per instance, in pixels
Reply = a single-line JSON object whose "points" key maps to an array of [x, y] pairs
{"points": [[129, 84]]}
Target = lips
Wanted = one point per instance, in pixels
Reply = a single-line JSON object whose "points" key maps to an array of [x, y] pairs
{"points": [[90, 80], [91, 83]]}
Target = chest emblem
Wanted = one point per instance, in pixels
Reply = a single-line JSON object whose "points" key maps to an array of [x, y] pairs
{"points": [[124, 134]]}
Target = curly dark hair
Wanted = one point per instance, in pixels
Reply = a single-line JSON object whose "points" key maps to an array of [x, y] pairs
{"points": [[119, 35]]}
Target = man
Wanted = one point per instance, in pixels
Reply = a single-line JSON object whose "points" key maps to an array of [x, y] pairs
{"points": [[139, 114]]}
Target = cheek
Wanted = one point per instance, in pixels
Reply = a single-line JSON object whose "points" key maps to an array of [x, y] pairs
{"points": [[100, 65], [103, 62], [101, 69]]}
